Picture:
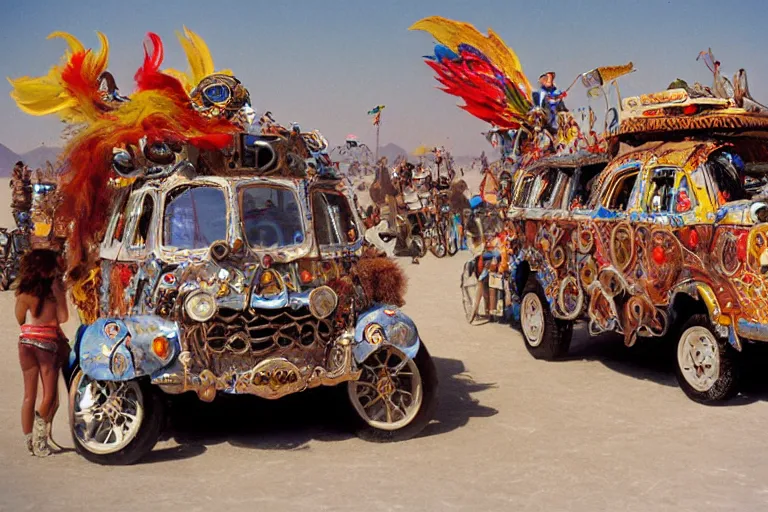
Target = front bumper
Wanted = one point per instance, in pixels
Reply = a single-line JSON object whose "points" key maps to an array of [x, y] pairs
{"points": [[752, 330]]}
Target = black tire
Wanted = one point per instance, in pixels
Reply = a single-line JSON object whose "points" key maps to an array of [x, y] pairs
{"points": [[154, 405], [553, 341], [451, 243], [424, 415], [438, 248], [726, 383]]}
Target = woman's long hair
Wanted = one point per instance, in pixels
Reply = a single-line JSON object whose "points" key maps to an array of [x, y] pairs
{"points": [[37, 272]]}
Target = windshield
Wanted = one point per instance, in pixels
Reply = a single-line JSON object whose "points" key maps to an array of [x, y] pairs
{"points": [[194, 217], [271, 217]]}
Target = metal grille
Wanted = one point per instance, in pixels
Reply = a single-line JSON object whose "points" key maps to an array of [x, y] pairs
{"points": [[262, 332]]}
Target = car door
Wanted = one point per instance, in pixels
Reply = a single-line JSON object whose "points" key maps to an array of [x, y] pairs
{"points": [[605, 244], [554, 236], [617, 199], [667, 229]]}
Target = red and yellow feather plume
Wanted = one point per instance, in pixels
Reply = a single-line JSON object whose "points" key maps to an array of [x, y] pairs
{"points": [[71, 88], [160, 110], [199, 59]]}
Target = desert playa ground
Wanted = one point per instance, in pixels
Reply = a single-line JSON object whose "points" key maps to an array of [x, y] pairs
{"points": [[607, 429]]}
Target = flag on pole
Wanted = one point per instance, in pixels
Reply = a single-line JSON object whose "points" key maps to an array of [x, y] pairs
{"points": [[377, 118], [376, 110], [601, 76], [595, 92]]}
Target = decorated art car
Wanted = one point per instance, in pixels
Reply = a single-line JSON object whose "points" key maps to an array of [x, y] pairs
{"points": [[211, 253], [655, 228], [35, 222], [664, 242], [238, 285]]}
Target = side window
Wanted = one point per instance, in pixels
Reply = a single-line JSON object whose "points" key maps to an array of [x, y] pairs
{"points": [[664, 197], [727, 172], [542, 190], [334, 222], [620, 190], [584, 181], [557, 192], [661, 193], [685, 199], [523, 191], [141, 232]]}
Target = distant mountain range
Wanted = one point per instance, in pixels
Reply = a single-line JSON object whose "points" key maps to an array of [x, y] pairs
{"points": [[34, 159], [392, 151]]}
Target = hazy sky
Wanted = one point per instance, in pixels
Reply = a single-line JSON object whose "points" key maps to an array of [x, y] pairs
{"points": [[325, 63]]}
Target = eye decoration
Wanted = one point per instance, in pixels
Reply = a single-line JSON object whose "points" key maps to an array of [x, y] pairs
{"points": [[216, 94], [219, 95]]}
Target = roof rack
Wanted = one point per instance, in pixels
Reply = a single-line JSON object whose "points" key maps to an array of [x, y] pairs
{"points": [[675, 110]]}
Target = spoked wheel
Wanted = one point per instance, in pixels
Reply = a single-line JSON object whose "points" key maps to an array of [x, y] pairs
{"points": [[417, 245], [114, 423], [396, 397], [437, 241], [451, 241], [469, 286], [438, 247], [707, 369]]}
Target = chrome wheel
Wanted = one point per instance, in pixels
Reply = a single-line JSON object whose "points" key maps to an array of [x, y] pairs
{"points": [[105, 416], [451, 244], [438, 248], [532, 319], [388, 395], [698, 357], [418, 245]]}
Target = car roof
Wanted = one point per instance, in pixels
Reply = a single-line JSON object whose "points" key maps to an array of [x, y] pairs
{"points": [[571, 160]]}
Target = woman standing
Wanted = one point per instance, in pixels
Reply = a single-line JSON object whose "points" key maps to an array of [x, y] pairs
{"points": [[41, 308]]}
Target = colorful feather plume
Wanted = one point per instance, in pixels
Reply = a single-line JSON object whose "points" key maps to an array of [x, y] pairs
{"points": [[160, 110], [199, 59], [481, 70], [70, 89]]}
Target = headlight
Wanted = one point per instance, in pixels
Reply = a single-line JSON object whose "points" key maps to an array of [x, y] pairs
{"points": [[3, 239], [122, 163], [401, 335], [759, 212], [322, 301], [200, 306]]}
